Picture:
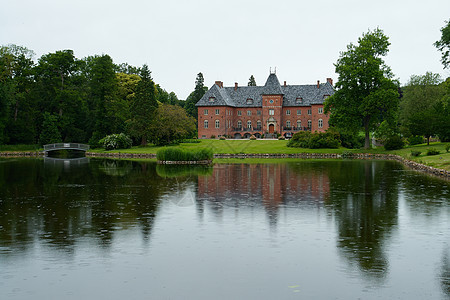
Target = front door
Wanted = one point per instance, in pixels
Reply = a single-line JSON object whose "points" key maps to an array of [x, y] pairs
{"points": [[271, 128]]}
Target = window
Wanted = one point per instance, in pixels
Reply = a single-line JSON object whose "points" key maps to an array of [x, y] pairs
{"points": [[258, 124], [249, 124], [298, 100], [309, 111], [217, 111], [205, 124], [205, 112], [288, 112], [211, 99], [271, 112], [249, 101], [288, 123], [249, 113], [239, 124], [320, 123], [258, 112], [309, 123], [299, 112], [239, 113], [299, 124], [320, 110], [217, 124]]}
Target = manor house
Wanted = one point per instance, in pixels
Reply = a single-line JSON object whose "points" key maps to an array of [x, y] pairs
{"points": [[242, 111]]}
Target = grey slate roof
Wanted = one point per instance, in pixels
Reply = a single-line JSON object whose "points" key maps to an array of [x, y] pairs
{"points": [[229, 96]]}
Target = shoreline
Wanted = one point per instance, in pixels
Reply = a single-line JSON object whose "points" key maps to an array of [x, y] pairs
{"points": [[409, 163]]}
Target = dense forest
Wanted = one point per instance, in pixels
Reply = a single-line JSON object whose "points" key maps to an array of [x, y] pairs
{"points": [[61, 98]]}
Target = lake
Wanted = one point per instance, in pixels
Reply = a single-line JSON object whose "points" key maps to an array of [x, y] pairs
{"points": [[298, 229]]}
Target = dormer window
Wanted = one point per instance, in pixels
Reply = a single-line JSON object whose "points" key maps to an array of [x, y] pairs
{"points": [[249, 101], [211, 99], [299, 100]]}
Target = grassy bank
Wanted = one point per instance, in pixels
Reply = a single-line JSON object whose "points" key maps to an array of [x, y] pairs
{"points": [[440, 161]]}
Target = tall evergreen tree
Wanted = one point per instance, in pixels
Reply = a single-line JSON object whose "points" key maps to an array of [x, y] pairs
{"points": [[195, 96], [251, 81], [143, 107]]}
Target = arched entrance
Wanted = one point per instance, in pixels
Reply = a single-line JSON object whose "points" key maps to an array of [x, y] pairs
{"points": [[271, 128]]}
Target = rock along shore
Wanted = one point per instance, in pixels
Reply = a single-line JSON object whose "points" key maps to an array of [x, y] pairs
{"points": [[409, 163]]}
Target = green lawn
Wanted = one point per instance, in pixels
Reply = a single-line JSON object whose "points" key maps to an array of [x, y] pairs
{"points": [[441, 161]]}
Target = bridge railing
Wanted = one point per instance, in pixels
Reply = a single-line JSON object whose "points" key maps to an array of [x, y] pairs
{"points": [[59, 146]]}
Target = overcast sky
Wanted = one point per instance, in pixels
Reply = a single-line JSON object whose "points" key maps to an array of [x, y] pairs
{"points": [[229, 40]]}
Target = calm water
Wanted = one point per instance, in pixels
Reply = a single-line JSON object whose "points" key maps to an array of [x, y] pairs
{"points": [[108, 229]]}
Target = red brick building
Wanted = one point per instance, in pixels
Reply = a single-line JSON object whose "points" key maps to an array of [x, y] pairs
{"points": [[242, 111]]}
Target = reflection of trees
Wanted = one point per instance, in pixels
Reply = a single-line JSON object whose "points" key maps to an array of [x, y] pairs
{"points": [[445, 272], [59, 204], [364, 199]]}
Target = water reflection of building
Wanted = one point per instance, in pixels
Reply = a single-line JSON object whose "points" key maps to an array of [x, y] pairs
{"points": [[271, 185]]}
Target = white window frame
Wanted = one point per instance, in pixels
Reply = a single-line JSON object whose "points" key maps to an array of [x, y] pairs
{"points": [[320, 123], [205, 124], [217, 124], [271, 112]]}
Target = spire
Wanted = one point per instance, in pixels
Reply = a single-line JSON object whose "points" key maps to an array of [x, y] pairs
{"points": [[272, 86]]}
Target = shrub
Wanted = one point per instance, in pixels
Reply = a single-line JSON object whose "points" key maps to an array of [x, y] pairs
{"points": [[116, 141], [347, 154], [433, 151], [415, 153], [415, 140], [306, 139], [393, 143], [447, 147], [351, 140], [213, 136], [253, 137], [222, 138], [177, 154]]}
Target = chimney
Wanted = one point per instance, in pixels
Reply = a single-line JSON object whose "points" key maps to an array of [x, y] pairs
{"points": [[330, 81], [219, 84], [318, 83], [285, 83], [235, 86]]}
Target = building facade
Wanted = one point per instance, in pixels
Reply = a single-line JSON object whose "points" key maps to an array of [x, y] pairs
{"points": [[243, 111]]}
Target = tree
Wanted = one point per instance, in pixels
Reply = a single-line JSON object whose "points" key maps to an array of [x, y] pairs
{"points": [[251, 81], [418, 107], [443, 45], [17, 112], [195, 96], [103, 88], [171, 124], [143, 107], [366, 93], [50, 133]]}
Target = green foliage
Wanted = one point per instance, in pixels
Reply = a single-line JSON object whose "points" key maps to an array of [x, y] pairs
{"points": [[306, 139], [347, 154], [394, 142], [143, 108], [170, 124], [415, 153], [443, 44], [366, 94], [190, 141], [433, 151], [415, 140], [420, 111], [195, 96], [251, 81], [177, 154], [116, 141], [351, 140], [447, 147], [50, 133]]}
